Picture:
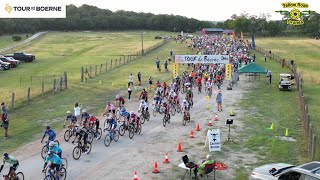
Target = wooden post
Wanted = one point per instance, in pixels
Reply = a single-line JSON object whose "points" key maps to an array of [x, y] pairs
{"points": [[313, 147], [100, 68], [95, 70], [65, 80], [28, 96], [54, 86], [42, 88], [111, 65], [128, 59], [12, 101], [81, 74], [120, 61], [90, 71], [60, 84], [116, 62], [106, 67]]}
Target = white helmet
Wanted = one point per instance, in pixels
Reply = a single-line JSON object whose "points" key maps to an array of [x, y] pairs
{"points": [[117, 96], [84, 110], [142, 101], [51, 144], [189, 88], [184, 100], [68, 112], [131, 112]]}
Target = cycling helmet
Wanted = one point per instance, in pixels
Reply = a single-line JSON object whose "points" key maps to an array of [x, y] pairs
{"points": [[48, 127], [117, 96], [123, 110], [108, 102], [51, 144], [184, 100], [142, 101], [144, 89], [68, 112], [5, 155], [131, 112], [50, 153], [84, 110], [90, 115]]}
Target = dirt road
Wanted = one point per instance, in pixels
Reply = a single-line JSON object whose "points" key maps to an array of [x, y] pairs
{"points": [[120, 160]]}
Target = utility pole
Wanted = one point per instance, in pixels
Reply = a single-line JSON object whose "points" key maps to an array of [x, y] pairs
{"points": [[142, 43]]}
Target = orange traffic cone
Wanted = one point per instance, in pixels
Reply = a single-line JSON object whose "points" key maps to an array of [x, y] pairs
{"points": [[179, 147], [135, 176], [216, 118], [210, 123], [191, 134], [166, 160], [198, 127], [155, 168]]}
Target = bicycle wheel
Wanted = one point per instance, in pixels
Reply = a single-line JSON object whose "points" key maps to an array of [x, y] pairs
{"points": [[90, 137], [76, 153], [20, 176], [44, 152], [117, 115], [107, 140], [142, 120], [173, 110], [184, 122], [178, 108], [99, 133], [164, 121], [154, 112], [67, 135], [56, 142], [63, 173], [147, 116], [122, 130], [131, 132], [89, 147], [48, 177], [138, 129], [65, 162], [168, 118]]}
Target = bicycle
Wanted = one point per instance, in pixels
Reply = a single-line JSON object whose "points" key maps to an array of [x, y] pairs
{"points": [[166, 119], [123, 127], [209, 92], [172, 109], [111, 135], [177, 106], [156, 109], [50, 174], [199, 88], [145, 115], [70, 132], [186, 117], [45, 148], [76, 153], [18, 176], [137, 126]]}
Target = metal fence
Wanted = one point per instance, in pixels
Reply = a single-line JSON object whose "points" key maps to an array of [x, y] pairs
{"points": [[311, 138]]}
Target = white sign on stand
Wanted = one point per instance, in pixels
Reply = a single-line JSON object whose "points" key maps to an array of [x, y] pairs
{"points": [[214, 140]]}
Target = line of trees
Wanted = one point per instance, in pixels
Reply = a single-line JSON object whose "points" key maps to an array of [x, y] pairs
{"points": [[88, 17]]}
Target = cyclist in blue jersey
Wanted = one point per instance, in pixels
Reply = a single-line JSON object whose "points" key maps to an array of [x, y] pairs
{"points": [[125, 114], [56, 162], [50, 133], [55, 148]]}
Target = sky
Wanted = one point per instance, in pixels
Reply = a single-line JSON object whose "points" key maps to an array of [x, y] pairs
{"points": [[208, 10]]}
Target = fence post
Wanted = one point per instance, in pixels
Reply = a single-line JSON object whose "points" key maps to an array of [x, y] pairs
{"points": [[60, 84], [42, 88], [65, 80], [120, 61], [116, 62], [28, 96], [54, 86], [100, 68], [111, 65], [313, 147], [31, 81], [95, 70], [128, 59], [12, 101], [81, 74], [106, 67]]}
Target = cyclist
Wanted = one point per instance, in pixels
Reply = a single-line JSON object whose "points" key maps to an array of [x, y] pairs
{"points": [[143, 106], [84, 115], [165, 88], [190, 96], [50, 133], [56, 163], [206, 76], [158, 83], [110, 108], [113, 123], [165, 108], [185, 105], [209, 85], [134, 119], [82, 134], [73, 119], [199, 82], [125, 114], [157, 101], [119, 101], [144, 95], [55, 148], [159, 90], [173, 96], [14, 164], [94, 122]]}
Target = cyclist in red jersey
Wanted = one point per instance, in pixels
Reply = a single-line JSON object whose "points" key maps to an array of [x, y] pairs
{"points": [[119, 101]]}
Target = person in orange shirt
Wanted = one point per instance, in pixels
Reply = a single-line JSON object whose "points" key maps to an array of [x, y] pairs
{"points": [[165, 88]]}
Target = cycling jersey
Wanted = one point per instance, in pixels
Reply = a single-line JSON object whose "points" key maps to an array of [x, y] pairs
{"points": [[72, 118], [12, 161], [157, 100], [56, 149], [143, 106], [85, 116], [92, 119], [51, 134], [199, 80], [55, 159], [189, 92], [126, 114], [121, 100], [110, 107]]}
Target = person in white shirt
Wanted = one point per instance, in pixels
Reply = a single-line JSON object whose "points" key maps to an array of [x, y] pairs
{"points": [[143, 106], [77, 111], [131, 79]]}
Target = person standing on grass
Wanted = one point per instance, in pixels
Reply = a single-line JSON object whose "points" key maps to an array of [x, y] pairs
{"points": [[129, 91], [139, 78], [219, 100], [131, 79], [150, 82], [269, 75], [77, 112], [5, 120]]}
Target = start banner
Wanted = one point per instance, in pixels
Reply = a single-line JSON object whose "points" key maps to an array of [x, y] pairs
{"points": [[210, 59]]}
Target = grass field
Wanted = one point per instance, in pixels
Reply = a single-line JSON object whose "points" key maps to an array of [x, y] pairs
{"points": [[306, 53], [57, 52], [6, 40]]}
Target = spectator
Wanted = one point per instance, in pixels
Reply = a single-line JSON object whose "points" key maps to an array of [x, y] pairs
{"points": [[166, 65], [283, 62], [150, 82], [5, 120], [219, 101], [208, 160], [77, 112], [158, 63], [129, 91], [269, 74], [131, 79], [171, 53], [139, 78]]}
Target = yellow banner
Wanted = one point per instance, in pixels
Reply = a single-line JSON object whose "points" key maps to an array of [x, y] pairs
{"points": [[175, 70], [228, 71]]}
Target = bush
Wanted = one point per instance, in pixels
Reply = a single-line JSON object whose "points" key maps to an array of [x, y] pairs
{"points": [[16, 38], [27, 36]]}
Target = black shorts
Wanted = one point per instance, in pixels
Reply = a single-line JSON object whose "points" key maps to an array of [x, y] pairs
{"points": [[14, 167], [56, 167], [113, 111], [59, 154]]}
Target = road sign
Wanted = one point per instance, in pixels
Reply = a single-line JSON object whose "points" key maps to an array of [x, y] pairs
{"points": [[214, 140], [175, 70], [228, 71]]}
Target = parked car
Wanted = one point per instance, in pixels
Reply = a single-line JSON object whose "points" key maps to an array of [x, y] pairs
{"points": [[13, 63], [285, 82], [22, 56], [5, 65], [283, 171]]}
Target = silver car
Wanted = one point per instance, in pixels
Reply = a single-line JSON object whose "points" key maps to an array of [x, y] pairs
{"points": [[282, 171]]}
